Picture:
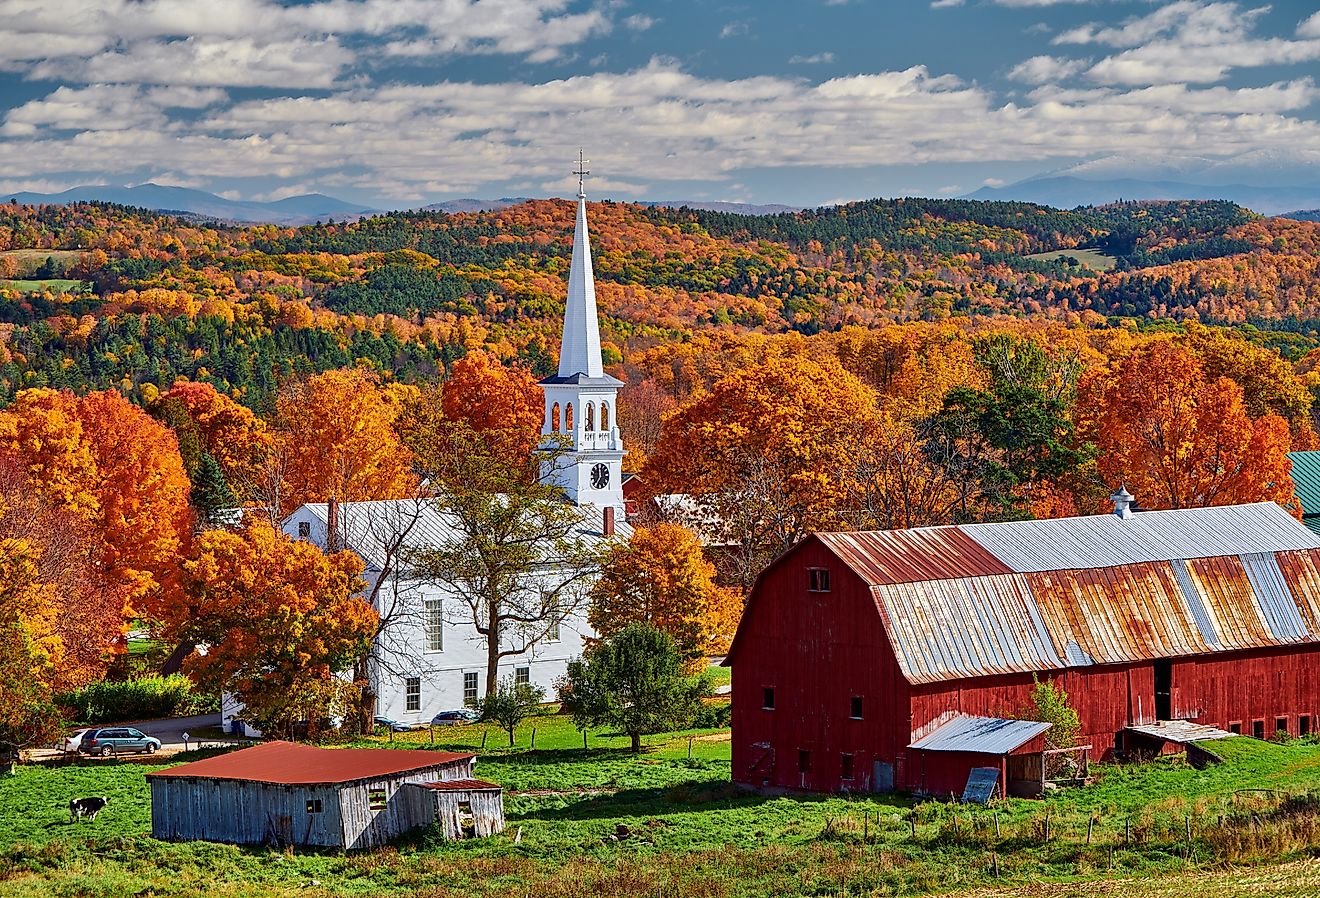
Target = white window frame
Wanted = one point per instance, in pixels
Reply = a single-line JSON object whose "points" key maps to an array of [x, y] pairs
{"points": [[523, 675], [475, 688], [433, 630], [412, 694]]}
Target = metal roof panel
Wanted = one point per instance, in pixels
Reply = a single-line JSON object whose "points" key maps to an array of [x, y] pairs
{"points": [[982, 735]]}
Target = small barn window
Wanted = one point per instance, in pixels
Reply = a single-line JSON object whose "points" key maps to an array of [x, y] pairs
{"points": [[1258, 729], [768, 698], [435, 625], [818, 579], [377, 800], [469, 687], [855, 709], [1235, 728], [1304, 725], [1280, 724], [304, 529], [522, 676], [412, 692], [845, 767], [804, 760], [313, 805]]}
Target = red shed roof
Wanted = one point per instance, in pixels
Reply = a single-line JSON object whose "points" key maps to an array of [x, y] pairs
{"points": [[294, 764], [886, 557]]}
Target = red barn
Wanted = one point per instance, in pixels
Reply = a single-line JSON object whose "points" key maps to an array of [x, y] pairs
{"points": [[899, 659]]}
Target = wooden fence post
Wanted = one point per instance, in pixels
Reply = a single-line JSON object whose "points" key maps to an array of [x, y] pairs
{"points": [[484, 734], [1047, 825], [1090, 826], [996, 824], [689, 748], [533, 738], [584, 740]]}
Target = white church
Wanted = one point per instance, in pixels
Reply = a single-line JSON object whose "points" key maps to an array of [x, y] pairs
{"points": [[431, 658]]}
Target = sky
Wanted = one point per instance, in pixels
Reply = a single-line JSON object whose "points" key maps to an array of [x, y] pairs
{"points": [[394, 103]]}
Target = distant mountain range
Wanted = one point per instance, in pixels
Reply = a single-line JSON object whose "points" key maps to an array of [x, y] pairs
{"points": [[1067, 192], [1303, 215], [300, 210], [294, 210]]}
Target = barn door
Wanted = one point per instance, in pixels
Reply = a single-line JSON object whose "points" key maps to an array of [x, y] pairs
{"points": [[1163, 690], [882, 777]]}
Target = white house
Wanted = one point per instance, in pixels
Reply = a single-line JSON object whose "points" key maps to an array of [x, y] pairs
{"points": [[431, 657]]}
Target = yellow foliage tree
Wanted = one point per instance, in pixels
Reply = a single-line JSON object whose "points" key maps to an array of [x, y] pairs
{"points": [[662, 577]]}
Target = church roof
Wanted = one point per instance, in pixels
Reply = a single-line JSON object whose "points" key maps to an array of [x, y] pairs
{"points": [[369, 527], [579, 349]]}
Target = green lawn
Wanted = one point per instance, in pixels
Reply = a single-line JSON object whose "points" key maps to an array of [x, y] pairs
{"points": [[696, 835], [1091, 258]]}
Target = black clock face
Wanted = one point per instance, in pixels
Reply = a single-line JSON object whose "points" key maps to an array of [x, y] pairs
{"points": [[600, 477]]}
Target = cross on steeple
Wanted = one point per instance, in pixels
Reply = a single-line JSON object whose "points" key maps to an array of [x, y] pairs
{"points": [[581, 171]]}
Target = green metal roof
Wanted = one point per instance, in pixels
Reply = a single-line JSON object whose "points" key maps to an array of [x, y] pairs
{"points": [[1306, 480]]}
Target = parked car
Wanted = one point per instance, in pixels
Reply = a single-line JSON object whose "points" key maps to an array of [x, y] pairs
{"points": [[72, 741], [395, 725], [455, 717], [114, 740]]}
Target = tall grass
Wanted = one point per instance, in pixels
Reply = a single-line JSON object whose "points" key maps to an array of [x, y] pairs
{"points": [[141, 699]]}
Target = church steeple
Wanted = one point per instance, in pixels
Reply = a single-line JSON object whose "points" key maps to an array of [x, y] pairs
{"points": [[581, 400], [579, 348]]}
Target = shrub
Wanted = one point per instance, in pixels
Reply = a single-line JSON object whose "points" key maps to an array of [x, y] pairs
{"points": [[141, 699]]}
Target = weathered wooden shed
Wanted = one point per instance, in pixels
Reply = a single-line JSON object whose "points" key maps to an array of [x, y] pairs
{"points": [[287, 793], [855, 647], [463, 808]]}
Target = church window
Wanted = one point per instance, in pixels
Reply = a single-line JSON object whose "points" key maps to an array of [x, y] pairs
{"points": [[552, 632], [469, 688], [412, 692], [554, 418], [522, 676], [591, 416], [568, 417], [435, 625], [605, 416]]}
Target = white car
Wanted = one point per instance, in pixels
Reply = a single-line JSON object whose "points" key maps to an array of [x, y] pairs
{"points": [[73, 741]]}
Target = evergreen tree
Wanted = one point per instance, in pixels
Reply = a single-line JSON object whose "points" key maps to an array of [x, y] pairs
{"points": [[210, 492]]}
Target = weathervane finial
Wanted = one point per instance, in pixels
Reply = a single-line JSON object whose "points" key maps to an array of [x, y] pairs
{"points": [[581, 171]]}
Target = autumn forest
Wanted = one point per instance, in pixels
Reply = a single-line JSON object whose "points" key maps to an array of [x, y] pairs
{"points": [[884, 364]]}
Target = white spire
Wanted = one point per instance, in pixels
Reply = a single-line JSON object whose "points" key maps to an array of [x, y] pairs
{"points": [[579, 350]]}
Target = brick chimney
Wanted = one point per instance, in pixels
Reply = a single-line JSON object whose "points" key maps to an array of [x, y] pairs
{"points": [[608, 525]]}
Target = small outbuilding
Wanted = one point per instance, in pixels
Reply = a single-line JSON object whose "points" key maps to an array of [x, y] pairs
{"points": [[285, 793]]}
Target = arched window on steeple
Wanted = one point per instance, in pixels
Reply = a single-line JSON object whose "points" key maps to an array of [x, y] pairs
{"points": [[568, 417], [591, 416], [554, 418], [605, 417]]}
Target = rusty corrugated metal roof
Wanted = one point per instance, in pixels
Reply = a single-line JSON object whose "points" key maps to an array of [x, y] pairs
{"points": [[986, 599], [460, 786], [909, 556]]}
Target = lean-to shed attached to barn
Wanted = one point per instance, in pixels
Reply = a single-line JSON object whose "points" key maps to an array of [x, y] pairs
{"points": [[857, 651], [286, 793]]}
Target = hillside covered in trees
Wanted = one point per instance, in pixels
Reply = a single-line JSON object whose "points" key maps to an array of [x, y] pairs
{"points": [[143, 298]]}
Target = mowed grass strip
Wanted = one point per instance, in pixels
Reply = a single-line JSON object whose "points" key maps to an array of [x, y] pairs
{"points": [[691, 833]]}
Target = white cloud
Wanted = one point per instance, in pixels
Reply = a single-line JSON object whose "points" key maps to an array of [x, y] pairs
{"points": [[945, 4], [812, 59], [1188, 41], [1310, 27], [638, 22], [734, 29], [1044, 69], [268, 43], [993, 182]]}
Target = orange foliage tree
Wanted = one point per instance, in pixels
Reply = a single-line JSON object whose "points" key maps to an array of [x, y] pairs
{"points": [[660, 576], [145, 521], [764, 453], [335, 437], [495, 399], [43, 428], [280, 619], [230, 433], [1179, 439]]}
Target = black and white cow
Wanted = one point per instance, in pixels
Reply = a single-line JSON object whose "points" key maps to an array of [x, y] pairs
{"points": [[86, 807]]}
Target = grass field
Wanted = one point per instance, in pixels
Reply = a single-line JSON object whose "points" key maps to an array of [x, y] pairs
{"points": [[1091, 258], [55, 285], [695, 835]]}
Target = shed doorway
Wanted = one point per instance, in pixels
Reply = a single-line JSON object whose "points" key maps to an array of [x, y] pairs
{"points": [[1163, 690]]}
